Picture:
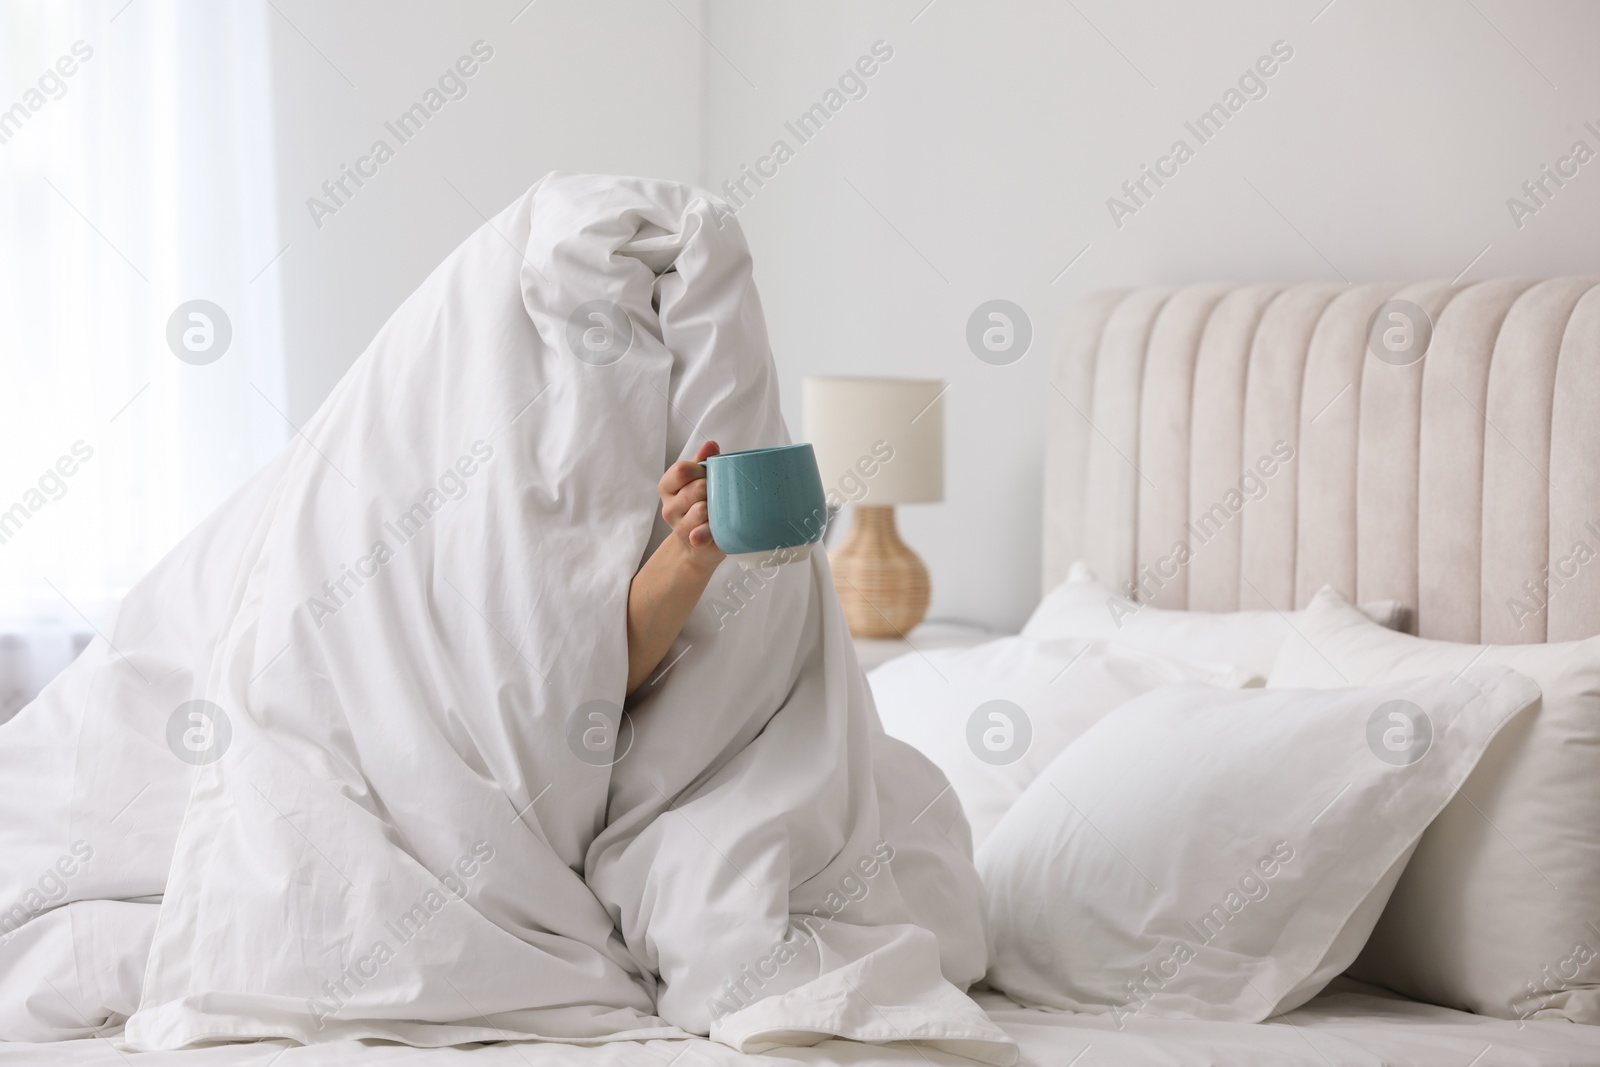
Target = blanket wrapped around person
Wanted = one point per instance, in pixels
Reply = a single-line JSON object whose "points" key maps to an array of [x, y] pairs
{"points": [[352, 762]]}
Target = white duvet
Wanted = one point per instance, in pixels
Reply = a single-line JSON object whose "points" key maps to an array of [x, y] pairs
{"points": [[418, 828]]}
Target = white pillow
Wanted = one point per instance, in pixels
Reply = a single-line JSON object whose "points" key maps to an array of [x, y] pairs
{"points": [[1083, 606], [992, 717], [1499, 913], [1206, 854]]}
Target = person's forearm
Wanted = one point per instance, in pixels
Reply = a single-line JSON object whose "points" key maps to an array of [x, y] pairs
{"points": [[660, 599]]}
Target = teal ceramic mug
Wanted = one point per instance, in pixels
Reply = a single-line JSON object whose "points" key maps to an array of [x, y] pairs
{"points": [[766, 504]]}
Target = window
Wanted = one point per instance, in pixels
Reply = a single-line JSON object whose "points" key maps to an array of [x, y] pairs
{"points": [[136, 178]]}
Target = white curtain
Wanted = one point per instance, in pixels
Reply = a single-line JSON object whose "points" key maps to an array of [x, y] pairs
{"points": [[136, 174]]}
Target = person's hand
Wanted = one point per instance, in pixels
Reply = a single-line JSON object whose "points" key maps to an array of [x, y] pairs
{"points": [[683, 505]]}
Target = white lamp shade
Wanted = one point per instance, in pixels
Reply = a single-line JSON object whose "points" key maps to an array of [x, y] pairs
{"points": [[878, 440]]}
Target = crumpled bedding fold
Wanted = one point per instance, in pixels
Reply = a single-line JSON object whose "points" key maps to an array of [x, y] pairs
{"points": [[430, 821]]}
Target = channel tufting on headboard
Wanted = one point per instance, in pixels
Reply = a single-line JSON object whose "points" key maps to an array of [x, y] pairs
{"points": [[1240, 446]]}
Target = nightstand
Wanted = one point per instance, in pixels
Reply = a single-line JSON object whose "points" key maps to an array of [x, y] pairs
{"points": [[872, 651]]}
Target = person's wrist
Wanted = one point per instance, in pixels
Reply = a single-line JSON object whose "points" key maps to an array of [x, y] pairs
{"points": [[698, 563], [705, 561]]}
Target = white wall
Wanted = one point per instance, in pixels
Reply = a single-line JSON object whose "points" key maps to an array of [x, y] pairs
{"points": [[1384, 149], [607, 86], [987, 147]]}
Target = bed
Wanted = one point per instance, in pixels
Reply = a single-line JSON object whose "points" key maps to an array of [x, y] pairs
{"points": [[1445, 482], [1349, 1025], [1442, 482]]}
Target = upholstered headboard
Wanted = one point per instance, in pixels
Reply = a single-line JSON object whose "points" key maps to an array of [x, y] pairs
{"points": [[1240, 446]]}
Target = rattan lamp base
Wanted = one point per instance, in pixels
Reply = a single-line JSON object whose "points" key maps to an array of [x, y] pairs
{"points": [[882, 585]]}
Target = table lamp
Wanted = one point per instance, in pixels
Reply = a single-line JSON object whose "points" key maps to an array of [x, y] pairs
{"points": [[879, 442]]}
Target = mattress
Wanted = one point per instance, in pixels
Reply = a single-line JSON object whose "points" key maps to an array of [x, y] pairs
{"points": [[1347, 1024]]}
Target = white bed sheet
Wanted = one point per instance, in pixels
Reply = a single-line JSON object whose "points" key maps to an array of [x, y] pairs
{"points": [[1348, 1024]]}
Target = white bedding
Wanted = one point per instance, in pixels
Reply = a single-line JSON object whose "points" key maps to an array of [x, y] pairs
{"points": [[1348, 1025], [409, 836], [1223, 855], [994, 716]]}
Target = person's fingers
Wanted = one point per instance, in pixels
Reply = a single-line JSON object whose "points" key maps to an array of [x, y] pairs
{"points": [[683, 490], [695, 491], [679, 475], [676, 512], [676, 507]]}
